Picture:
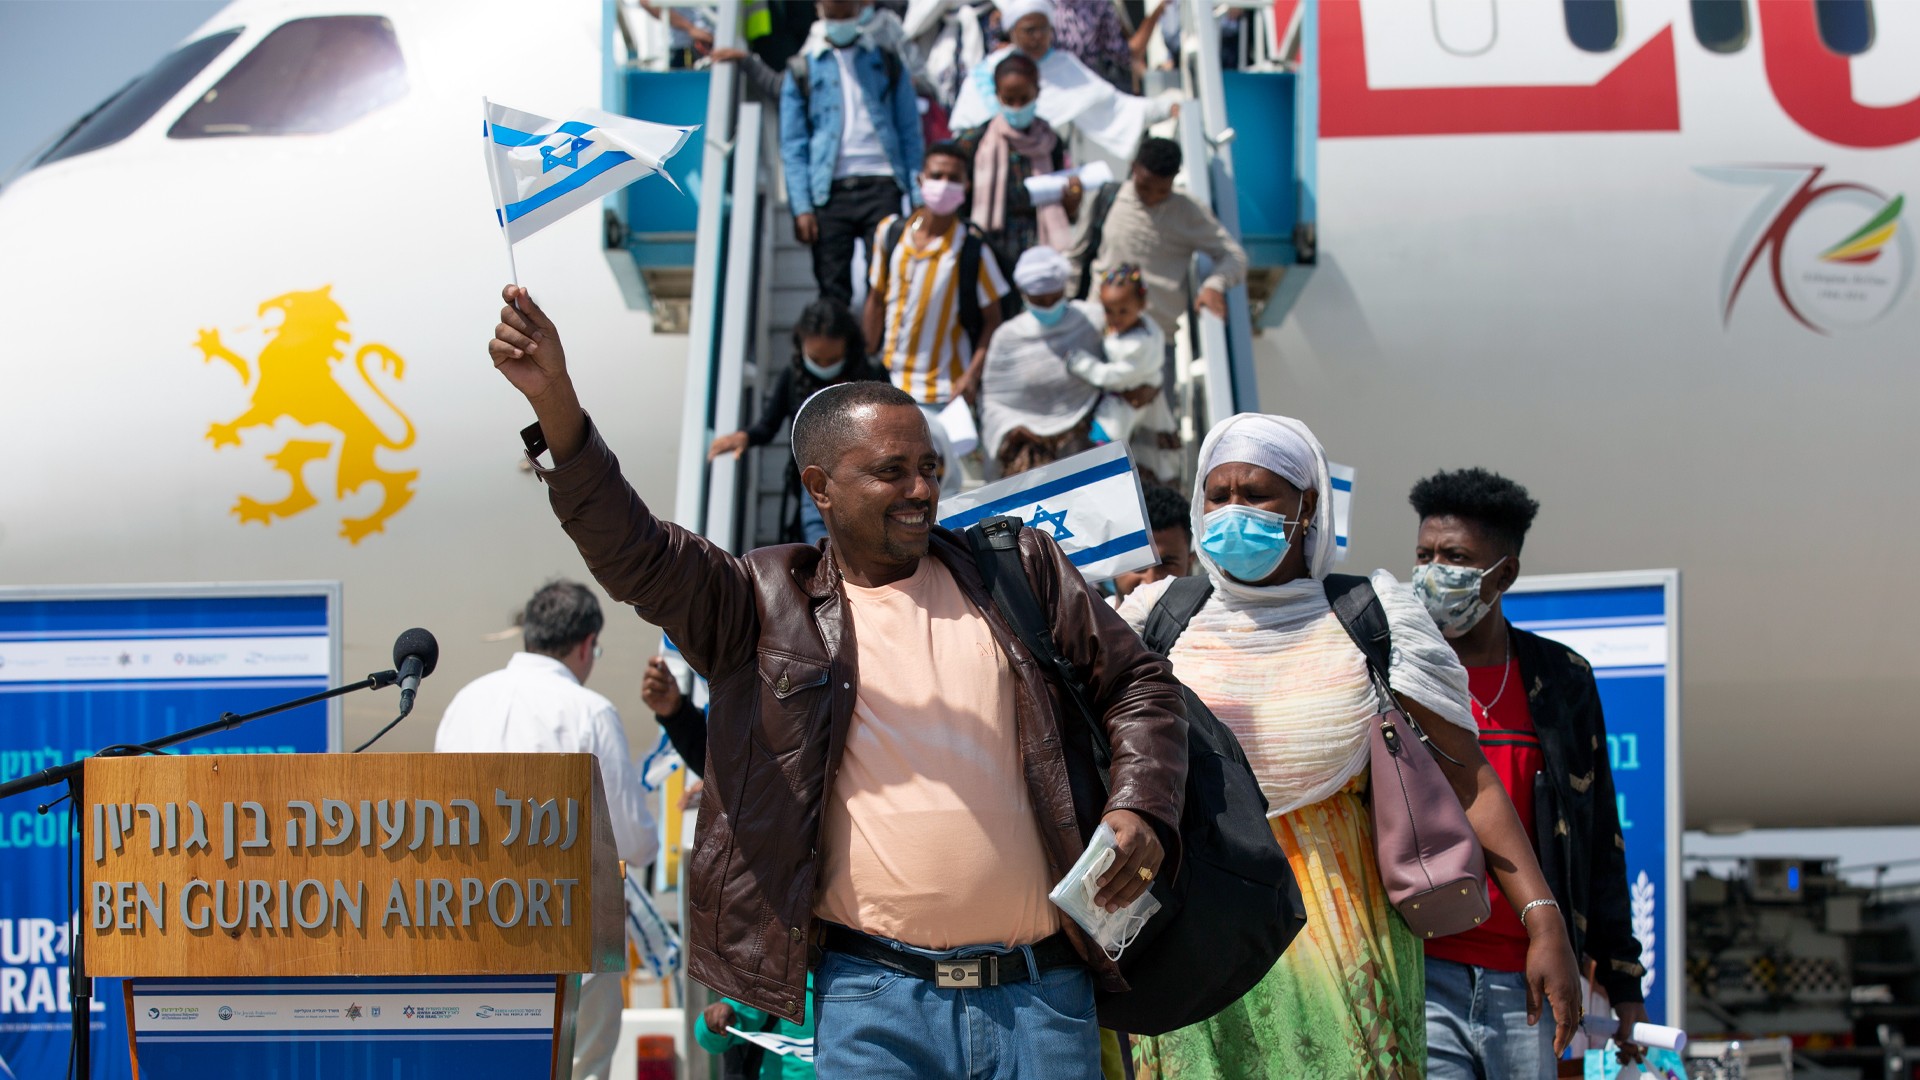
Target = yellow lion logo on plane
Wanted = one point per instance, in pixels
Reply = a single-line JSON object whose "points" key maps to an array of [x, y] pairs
{"points": [[296, 379]]}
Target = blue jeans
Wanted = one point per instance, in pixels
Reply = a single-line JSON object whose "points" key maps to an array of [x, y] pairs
{"points": [[873, 1022], [1477, 1026]]}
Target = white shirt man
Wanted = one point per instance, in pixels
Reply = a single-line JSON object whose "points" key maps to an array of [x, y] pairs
{"points": [[538, 704]]}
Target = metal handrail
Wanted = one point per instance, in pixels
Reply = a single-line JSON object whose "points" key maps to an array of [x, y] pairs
{"points": [[706, 311], [740, 310], [1226, 348]]}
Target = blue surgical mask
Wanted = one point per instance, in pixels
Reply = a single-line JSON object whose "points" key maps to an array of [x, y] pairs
{"points": [[866, 15], [1245, 542], [1050, 316], [824, 372], [1020, 119], [841, 32]]}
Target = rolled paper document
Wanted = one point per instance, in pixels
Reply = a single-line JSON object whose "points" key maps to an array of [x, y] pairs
{"points": [[1666, 1038], [1049, 188]]}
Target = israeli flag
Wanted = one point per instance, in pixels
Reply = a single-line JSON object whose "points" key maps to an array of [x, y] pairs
{"points": [[1091, 503], [543, 170], [1342, 477]]}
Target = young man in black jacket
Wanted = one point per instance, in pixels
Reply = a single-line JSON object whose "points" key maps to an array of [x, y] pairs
{"points": [[1541, 727]]}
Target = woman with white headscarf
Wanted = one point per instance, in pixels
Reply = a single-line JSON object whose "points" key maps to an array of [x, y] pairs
{"points": [[1033, 409], [1270, 658], [1071, 93]]}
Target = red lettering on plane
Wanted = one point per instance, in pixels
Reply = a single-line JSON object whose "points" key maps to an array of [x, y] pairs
{"points": [[1814, 85], [1642, 94]]}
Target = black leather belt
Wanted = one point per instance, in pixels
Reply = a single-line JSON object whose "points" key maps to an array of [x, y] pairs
{"points": [[854, 183], [991, 969]]}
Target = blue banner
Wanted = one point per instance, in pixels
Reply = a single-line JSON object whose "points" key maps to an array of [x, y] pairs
{"points": [[392, 1027], [85, 672], [1626, 626]]}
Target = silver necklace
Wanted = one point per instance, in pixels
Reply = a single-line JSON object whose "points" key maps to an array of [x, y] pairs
{"points": [[1506, 672]]}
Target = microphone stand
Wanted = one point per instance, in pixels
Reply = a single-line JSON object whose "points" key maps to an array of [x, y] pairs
{"points": [[80, 986]]}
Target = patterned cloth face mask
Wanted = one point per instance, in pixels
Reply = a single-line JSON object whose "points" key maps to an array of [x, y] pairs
{"points": [[1452, 595]]}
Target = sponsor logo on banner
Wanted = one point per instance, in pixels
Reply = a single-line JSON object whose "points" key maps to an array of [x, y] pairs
{"points": [[226, 1012], [173, 1013], [431, 1012], [353, 1012], [488, 1012]]}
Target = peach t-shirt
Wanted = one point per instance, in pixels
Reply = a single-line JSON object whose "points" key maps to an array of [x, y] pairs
{"points": [[931, 838]]}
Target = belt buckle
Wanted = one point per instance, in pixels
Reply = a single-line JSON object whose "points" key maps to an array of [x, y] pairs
{"points": [[957, 974]]}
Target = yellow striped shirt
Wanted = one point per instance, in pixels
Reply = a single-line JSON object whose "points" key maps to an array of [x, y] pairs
{"points": [[924, 347]]}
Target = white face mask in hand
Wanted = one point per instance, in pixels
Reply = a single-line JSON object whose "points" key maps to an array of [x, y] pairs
{"points": [[1112, 930]]}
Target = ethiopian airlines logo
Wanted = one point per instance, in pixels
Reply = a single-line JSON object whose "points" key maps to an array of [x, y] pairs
{"points": [[298, 377], [1840, 255]]}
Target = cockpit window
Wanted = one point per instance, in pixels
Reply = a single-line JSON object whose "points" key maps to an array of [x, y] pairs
{"points": [[307, 77], [123, 113]]}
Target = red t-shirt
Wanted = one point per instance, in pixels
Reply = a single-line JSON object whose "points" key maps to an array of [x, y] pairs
{"points": [[1508, 740]]}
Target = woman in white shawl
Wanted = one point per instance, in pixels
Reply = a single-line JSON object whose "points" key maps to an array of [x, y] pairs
{"points": [[1271, 659], [1033, 409], [1071, 93]]}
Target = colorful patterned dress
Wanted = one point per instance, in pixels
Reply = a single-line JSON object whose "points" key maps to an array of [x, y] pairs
{"points": [[1348, 998]]}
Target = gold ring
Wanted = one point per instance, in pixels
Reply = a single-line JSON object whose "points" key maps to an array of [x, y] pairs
{"points": [[1146, 874]]}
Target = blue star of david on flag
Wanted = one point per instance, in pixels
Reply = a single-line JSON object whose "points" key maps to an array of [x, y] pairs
{"points": [[1056, 520], [551, 158]]}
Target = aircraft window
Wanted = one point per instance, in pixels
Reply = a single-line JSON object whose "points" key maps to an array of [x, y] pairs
{"points": [[1465, 27], [307, 77], [1846, 26], [1593, 25], [123, 113], [1720, 25]]}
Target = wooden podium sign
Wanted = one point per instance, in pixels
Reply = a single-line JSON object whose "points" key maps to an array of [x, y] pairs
{"points": [[240, 866]]}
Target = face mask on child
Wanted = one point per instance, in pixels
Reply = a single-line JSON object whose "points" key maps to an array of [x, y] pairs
{"points": [[1020, 119], [942, 196]]}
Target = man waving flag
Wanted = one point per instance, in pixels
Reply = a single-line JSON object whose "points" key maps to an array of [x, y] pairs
{"points": [[543, 170]]}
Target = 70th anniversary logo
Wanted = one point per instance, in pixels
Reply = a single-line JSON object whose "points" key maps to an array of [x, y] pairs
{"points": [[1839, 254]]}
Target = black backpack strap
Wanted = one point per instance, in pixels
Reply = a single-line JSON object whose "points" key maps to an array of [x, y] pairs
{"points": [[892, 63], [1178, 605], [1358, 607], [802, 78], [888, 241], [969, 283], [1096, 236], [996, 551]]}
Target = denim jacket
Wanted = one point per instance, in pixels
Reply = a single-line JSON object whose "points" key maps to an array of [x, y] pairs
{"points": [[810, 126]]}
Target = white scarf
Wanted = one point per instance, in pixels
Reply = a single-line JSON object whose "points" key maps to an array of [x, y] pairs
{"points": [[1274, 663]]}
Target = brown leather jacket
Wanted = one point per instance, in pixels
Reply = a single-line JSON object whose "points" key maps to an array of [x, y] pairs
{"points": [[769, 632]]}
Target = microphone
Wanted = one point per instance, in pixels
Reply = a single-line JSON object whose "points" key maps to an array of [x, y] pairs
{"points": [[415, 654]]}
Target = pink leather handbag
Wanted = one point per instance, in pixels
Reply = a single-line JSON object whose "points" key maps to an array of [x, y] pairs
{"points": [[1430, 858]]}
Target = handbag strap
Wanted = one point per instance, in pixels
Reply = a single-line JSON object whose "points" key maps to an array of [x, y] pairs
{"points": [[1358, 608], [996, 551]]}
